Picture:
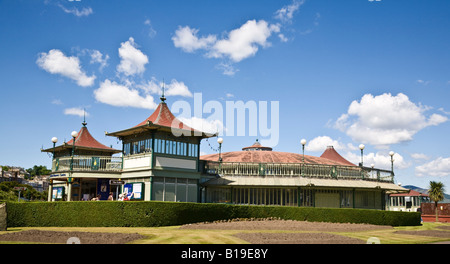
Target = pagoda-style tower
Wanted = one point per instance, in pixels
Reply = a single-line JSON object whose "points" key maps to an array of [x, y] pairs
{"points": [[81, 167], [161, 158]]}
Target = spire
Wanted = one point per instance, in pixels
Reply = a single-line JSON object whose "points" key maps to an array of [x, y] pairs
{"points": [[84, 118], [162, 96]]}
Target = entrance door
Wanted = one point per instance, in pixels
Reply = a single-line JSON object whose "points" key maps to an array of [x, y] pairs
{"points": [[103, 188]]}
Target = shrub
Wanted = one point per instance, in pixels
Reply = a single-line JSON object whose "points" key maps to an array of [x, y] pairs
{"points": [[153, 213]]}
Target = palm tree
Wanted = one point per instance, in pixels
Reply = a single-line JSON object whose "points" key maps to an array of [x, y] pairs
{"points": [[436, 193]]}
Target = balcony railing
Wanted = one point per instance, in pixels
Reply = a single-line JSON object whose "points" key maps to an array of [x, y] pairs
{"points": [[297, 170], [87, 163]]}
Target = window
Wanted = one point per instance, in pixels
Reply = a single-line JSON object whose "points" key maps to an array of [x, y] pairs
{"points": [[193, 150], [175, 147], [137, 147], [126, 149], [174, 189]]}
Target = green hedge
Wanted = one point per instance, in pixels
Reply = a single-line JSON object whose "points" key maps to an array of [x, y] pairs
{"points": [[147, 214]]}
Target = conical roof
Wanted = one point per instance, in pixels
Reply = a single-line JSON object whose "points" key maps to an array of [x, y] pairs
{"points": [[161, 119], [331, 153], [164, 117], [84, 140]]}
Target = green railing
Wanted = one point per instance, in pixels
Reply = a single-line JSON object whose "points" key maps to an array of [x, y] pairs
{"points": [[87, 163], [296, 170]]}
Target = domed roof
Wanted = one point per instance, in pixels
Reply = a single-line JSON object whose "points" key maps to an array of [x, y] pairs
{"points": [[257, 147], [272, 157]]}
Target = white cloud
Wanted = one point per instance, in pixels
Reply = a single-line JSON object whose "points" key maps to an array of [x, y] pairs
{"points": [[439, 167], [57, 102], [151, 30], [283, 38], [116, 94], [55, 62], [443, 111], [320, 144], [85, 11], [423, 82], [239, 43], [174, 88], [206, 125], [177, 88], [419, 156], [76, 111], [286, 13], [227, 68], [381, 160], [385, 119], [186, 39], [132, 61], [98, 57], [244, 42]]}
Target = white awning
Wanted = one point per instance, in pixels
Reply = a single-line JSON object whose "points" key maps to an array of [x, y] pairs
{"points": [[301, 181]]}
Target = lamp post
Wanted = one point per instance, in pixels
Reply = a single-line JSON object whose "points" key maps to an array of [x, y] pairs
{"points": [[361, 147], [391, 153], [74, 136], [69, 180], [54, 140], [220, 141], [303, 142], [50, 186]]}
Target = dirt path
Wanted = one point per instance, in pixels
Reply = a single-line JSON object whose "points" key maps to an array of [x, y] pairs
{"points": [[312, 235], [288, 225], [60, 237]]}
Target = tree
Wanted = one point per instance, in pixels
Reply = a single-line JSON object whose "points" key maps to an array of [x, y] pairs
{"points": [[38, 170], [436, 193], [8, 193]]}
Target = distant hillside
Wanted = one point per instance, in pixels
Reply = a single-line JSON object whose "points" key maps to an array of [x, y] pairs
{"points": [[422, 190]]}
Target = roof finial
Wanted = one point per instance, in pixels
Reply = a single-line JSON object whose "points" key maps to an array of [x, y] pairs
{"points": [[84, 117], [162, 97]]}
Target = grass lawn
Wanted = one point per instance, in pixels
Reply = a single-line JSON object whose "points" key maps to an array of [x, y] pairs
{"points": [[175, 235]]}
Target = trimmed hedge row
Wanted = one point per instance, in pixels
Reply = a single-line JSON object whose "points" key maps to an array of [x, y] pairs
{"points": [[152, 213]]}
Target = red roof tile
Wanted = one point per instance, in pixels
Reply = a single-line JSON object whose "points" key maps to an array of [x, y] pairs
{"points": [[257, 146], [270, 157], [331, 153], [410, 193], [164, 117], [85, 139]]}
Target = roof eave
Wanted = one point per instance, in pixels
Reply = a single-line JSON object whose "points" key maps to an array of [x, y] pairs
{"points": [[152, 126], [69, 146]]}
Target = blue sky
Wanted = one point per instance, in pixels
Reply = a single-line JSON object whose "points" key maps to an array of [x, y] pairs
{"points": [[343, 73]]}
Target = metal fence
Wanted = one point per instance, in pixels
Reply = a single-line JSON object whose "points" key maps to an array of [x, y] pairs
{"points": [[296, 170], [87, 163]]}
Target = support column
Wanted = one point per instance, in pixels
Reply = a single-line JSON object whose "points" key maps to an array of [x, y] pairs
{"points": [[50, 191], [69, 189], [151, 187], [353, 197]]}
